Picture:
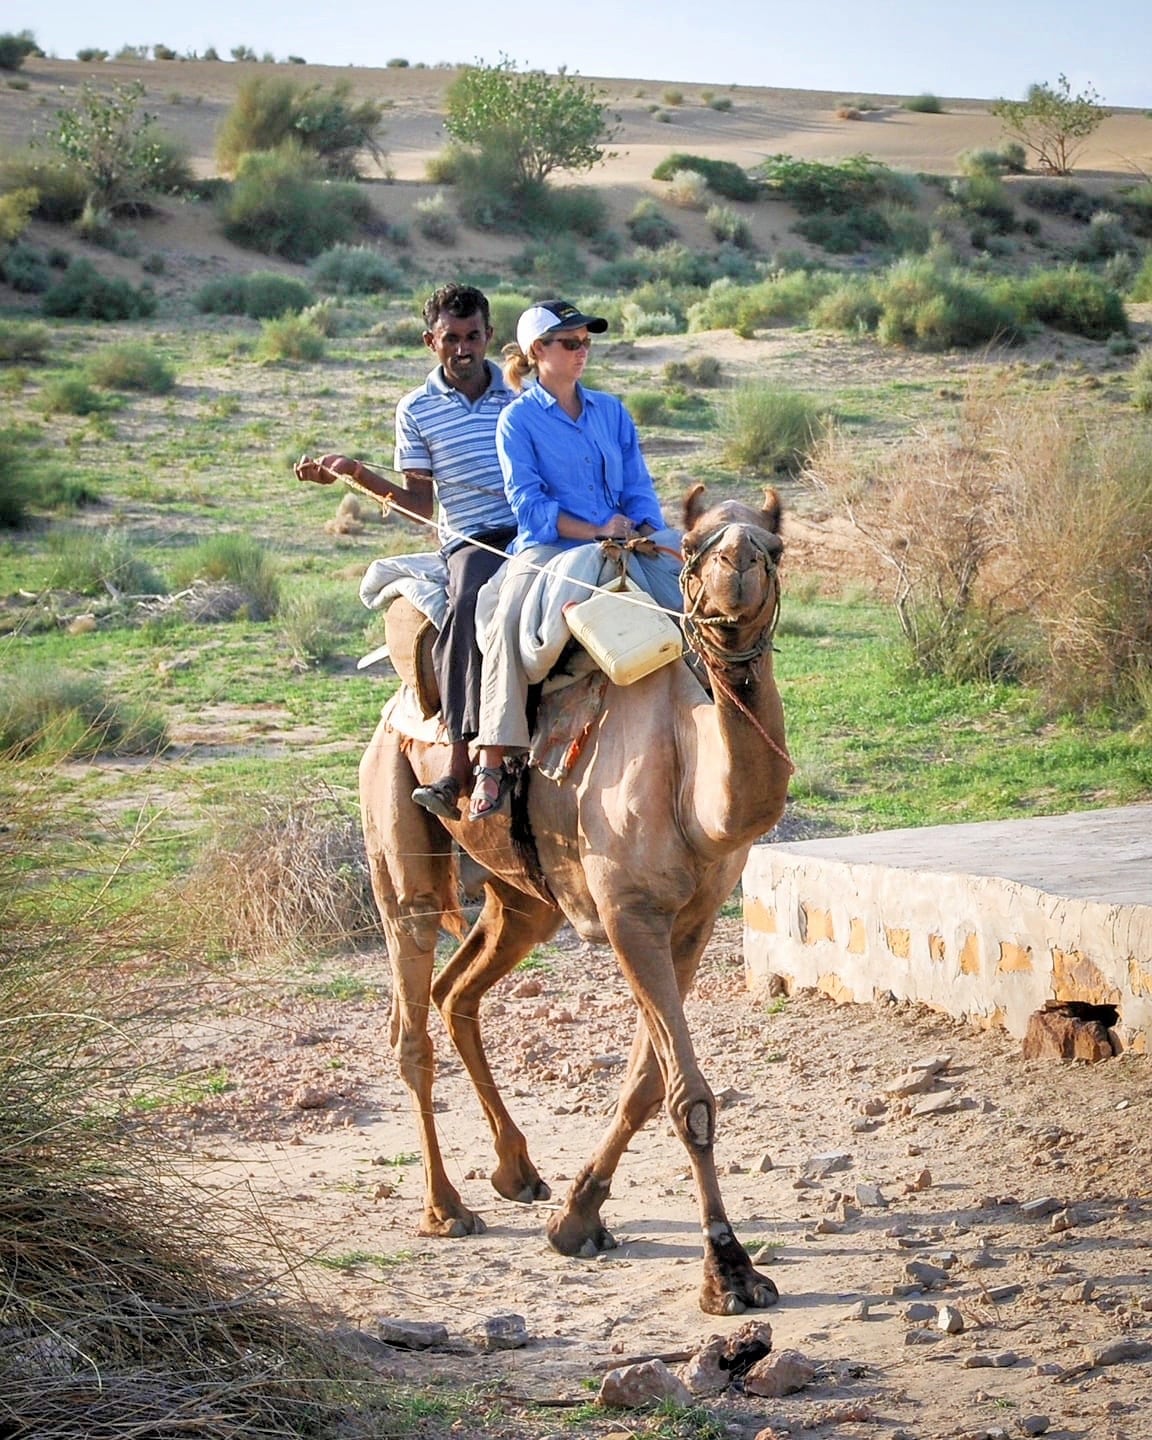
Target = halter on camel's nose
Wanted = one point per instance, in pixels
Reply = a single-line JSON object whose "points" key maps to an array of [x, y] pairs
{"points": [[743, 566]]}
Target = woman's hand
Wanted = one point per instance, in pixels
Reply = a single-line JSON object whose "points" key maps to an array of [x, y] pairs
{"points": [[618, 528]]}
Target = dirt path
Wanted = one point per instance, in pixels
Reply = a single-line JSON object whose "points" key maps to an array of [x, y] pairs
{"points": [[316, 1124]]}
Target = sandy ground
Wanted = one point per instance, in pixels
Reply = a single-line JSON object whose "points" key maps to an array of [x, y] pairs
{"points": [[316, 1126]]}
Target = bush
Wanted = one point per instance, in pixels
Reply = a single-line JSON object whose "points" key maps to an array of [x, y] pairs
{"points": [[89, 55], [768, 430], [505, 308], [1010, 159], [269, 112], [1070, 299], [17, 479], [984, 196], [647, 407], [48, 711], [130, 367], [1104, 238], [673, 97], [94, 564], [355, 270], [15, 49], [813, 185], [83, 293], [318, 627], [785, 296], [292, 337], [279, 205], [649, 226], [239, 560], [61, 189], [71, 394], [23, 343], [845, 232], [723, 177], [1142, 384], [688, 190], [570, 209], [703, 370], [1060, 198], [726, 225], [925, 104], [921, 304], [26, 270], [435, 220], [121, 154], [1052, 122], [1141, 287], [262, 295], [16, 209]]}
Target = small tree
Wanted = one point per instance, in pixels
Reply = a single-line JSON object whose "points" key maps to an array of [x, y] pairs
{"points": [[536, 123], [15, 49], [1052, 123], [270, 111], [118, 150]]}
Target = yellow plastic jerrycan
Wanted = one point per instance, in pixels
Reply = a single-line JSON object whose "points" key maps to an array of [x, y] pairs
{"points": [[628, 639]]}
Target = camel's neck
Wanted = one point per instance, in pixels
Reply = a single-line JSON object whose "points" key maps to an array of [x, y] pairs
{"points": [[742, 769]]}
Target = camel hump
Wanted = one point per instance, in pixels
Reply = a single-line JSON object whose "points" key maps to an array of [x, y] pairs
{"points": [[410, 636]]}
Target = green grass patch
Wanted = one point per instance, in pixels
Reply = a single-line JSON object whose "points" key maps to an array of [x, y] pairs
{"points": [[59, 714], [769, 429], [130, 366]]}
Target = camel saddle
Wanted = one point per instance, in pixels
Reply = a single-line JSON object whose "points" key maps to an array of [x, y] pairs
{"points": [[410, 636]]}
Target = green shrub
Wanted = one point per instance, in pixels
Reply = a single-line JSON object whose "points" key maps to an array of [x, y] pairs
{"points": [[1058, 197], [647, 407], [130, 366], [23, 343], [26, 270], [262, 295], [845, 232], [292, 337], [17, 479], [673, 97], [814, 185], [984, 196], [649, 226], [925, 104], [16, 47], [908, 233], [48, 711], [61, 188], [89, 55], [726, 225], [71, 394], [719, 102], [1070, 299], [852, 305], [16, 209], [637, 321], [552, 262], [270, 112], [569, 209], [1140, 289], [239, 560], [279, 205], [435, 220], [1135, 205], [95, 564], [1104, 238], [83, 293], [926, 306], [1142, 384], [769, 429], [723, 177], [121, 154], [318, 627], [443, 168], [356, 270], [703, 370], [505, 308], [784, 296]]}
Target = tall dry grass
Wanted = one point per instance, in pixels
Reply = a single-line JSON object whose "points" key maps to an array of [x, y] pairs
{"points": [[1020, 543], [131, 1302]]}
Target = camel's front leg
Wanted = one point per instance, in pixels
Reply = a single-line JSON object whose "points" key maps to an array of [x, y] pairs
{"points": [[510, 924], [731, 1284]]}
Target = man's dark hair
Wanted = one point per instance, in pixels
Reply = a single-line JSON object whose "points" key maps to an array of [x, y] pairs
{"points": [[458, 300]]}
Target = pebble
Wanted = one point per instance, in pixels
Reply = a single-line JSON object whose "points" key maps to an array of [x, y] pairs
{"points": [[859, 1311], [921, 1337], [632, 1386], [1079, 1294], [1037, 1209], [950, 1320], [764, 1164], [501, 1332], [871, 1197], [1033, 1424], [1062, 1220], [919, 1311], [819, 1166], [919, 1272]]}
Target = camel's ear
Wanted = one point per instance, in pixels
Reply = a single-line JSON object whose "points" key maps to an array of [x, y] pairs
{"points": [[694, 506], [771, 511]]}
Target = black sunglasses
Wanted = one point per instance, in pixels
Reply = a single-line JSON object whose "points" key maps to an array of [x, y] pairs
{"points": [[569, 342]]}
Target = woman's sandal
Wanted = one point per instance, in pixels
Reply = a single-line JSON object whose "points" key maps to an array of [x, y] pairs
{"points": [[441, 798], [491, 791]]}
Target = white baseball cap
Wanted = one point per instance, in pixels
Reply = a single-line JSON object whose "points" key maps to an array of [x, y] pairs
{"points": [[552, 315]]}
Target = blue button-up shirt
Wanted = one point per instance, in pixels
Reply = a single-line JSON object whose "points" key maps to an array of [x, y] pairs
{"points": [[590, 468]]}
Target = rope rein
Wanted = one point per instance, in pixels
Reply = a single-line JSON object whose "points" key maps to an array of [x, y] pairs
{"points": [[696, 627]]}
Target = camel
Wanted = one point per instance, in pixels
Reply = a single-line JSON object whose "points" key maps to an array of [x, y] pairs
{"points": [[638, 848]]}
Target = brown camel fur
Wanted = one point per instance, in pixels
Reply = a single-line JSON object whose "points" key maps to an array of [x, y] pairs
{"points": [[640, 847]]}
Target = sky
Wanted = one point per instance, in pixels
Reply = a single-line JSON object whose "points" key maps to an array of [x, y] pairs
{"points": [[980, 49]]}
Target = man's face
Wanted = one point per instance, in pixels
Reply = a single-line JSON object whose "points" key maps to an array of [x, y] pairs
{"points": [[460, 344]]}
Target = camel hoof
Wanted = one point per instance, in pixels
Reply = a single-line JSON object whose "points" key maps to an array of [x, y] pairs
{"points": [[454, 1227], [764, 1293], [531, 1193]]}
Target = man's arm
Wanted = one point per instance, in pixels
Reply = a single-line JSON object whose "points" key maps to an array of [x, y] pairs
{"points": [[416, 494]]}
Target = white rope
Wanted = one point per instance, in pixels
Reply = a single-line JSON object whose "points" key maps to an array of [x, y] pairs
{"points": [[388, 504]]}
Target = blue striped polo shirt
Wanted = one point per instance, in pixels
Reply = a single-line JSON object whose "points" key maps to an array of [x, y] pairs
{"points": [[441, 430]]}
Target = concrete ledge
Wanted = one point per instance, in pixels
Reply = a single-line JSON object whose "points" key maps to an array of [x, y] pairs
{"points": [[985, 922]]}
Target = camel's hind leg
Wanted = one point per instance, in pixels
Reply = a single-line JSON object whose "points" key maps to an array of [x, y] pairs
{"points": [[510, 924], [663, 1066], [410, 864]]}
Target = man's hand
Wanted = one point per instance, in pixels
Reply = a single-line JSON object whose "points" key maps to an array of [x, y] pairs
{"points": [[325, 471]]}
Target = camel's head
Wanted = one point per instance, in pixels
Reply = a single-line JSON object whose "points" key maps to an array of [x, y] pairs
{"points": [[730, 584]]}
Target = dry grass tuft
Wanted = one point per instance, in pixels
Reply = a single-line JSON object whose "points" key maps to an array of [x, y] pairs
{"points": [[1019, 544], [131, 1305], [284, 873]]}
